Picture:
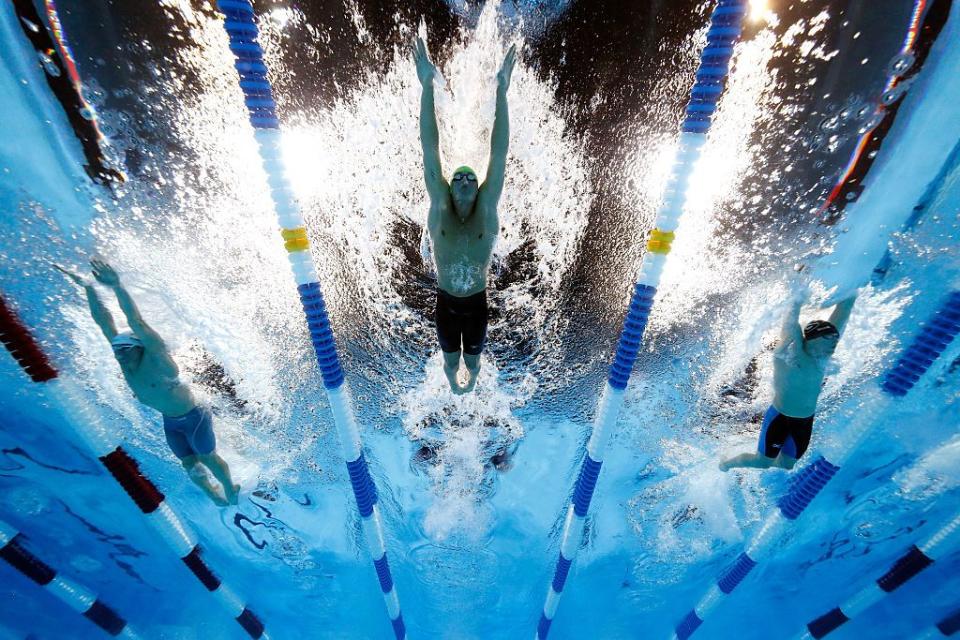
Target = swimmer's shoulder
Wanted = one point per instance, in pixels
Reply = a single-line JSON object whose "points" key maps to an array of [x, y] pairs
{"points": [[439, 209]]}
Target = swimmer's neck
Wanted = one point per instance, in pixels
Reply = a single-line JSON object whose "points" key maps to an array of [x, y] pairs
{"points": [[467, 212]]}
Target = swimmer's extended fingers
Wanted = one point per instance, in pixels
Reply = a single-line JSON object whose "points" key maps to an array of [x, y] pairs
{"points": [[425, 69], [103, 272], [506, 69], [76, 277], [420, 50], [100, 266]]}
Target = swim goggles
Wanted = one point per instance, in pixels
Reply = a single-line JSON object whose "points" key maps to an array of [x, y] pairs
{"points": [[460, 176]]}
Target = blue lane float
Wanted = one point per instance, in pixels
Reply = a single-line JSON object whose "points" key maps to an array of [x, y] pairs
{"points": [[932, 340], [917, 558], [240, 25], [722, 35]]}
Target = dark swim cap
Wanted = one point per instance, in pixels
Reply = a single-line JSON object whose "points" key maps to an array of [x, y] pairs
{"points": [[820, 329]]}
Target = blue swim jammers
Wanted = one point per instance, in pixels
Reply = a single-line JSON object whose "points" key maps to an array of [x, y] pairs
{"points": [[784, 434], [190, 434]]}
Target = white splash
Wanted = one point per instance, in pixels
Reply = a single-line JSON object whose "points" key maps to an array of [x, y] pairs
{"points": [[463, 433], [932, 475]]}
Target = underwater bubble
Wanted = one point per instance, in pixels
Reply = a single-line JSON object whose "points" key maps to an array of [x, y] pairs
{"points": [[48, 64], [871, 123], [892, 95], [32, 26], [830, 123], [900, 64]]}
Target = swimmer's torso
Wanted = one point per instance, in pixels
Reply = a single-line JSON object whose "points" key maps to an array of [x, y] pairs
{"points": [[462, 250], [797, 380], [156, 383]]}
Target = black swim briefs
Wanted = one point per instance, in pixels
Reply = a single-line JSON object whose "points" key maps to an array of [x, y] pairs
{"points": [[462, 321]]}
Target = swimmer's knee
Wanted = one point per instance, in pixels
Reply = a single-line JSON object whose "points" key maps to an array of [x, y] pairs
{"points": [[189, 462], [765, 463], [472, 361]]}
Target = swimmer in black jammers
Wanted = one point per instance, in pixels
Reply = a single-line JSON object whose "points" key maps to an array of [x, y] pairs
{"points": [[799, 367], [153, 377], [463, 226]]}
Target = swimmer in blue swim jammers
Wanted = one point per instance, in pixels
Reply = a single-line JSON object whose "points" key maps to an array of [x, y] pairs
{"points": [[799, 366], [153, 377]]}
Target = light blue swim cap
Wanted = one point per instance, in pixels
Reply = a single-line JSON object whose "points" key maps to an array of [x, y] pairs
{"points": [[126, 340]]}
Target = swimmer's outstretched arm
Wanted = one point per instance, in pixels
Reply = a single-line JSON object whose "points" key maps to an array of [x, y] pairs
{"points": [[107, 276], [791, 331], [97, 309], [500, 137], [437, 187], [841, 313]]}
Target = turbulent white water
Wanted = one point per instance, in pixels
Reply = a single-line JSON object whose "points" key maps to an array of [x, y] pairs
{"points": [[201, 254], [196, 241]]}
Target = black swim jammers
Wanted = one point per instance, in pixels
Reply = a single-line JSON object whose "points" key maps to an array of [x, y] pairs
{"points": [[462, 321], [784, 434]]}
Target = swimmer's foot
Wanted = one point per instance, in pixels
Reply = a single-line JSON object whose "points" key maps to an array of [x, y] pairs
{"points": [[452, 379], [471, 384], [217, 500], [234, 496], [724, 465]]}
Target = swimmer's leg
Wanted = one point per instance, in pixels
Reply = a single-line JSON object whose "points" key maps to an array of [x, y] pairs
{"points": [[451, 366], [473, 368], [749, 460], [474, 338], [200, 479], [785, 462], [221, 470], [772, 436]]}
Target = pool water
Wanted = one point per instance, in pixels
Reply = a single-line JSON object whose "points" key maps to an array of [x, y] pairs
{"points": [[473, 490]]}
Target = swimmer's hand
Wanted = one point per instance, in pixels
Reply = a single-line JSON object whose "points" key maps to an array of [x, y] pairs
{"points": [[104, 273], [77, 279], [425, 69], [506, 69]]}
